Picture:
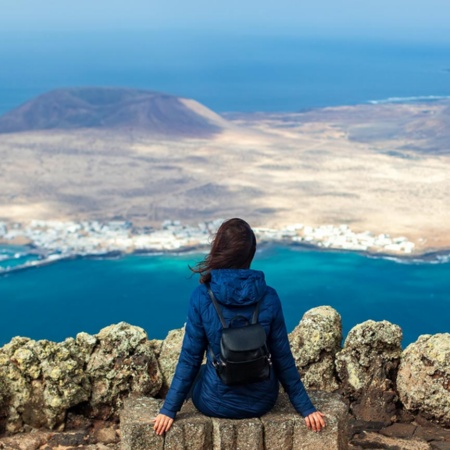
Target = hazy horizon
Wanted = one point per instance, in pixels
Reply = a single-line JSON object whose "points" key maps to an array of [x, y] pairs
{"points": [[239, 56], [406, 20]]}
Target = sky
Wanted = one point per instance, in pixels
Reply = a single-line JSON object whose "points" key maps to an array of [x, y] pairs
{"points": [[408, 19]]}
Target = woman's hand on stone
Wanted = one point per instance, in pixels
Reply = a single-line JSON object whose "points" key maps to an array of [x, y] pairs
{"points": [[162, 424], [315, 421]]}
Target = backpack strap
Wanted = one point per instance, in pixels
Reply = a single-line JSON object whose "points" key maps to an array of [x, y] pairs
{"points": [[216, 305], [256, 313], [213, 357], [219, 312]]}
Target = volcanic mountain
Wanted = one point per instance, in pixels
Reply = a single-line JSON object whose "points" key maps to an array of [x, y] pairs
{"points": [[113, 108]]}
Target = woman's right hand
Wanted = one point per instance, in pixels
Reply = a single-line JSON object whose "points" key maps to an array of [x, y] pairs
{"points": [[315, 421], [162, 424]]}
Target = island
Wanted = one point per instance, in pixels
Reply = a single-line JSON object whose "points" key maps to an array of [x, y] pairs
{"points": [[103, 170]]}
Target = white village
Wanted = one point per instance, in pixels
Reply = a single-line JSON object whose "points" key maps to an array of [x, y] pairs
{"points": [[56, 240]]}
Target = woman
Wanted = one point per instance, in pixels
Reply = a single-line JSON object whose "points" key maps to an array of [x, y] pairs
{"points": [[237, 288]]}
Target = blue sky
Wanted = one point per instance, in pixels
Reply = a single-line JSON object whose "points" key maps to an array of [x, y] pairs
{"points": [[409, 19]]}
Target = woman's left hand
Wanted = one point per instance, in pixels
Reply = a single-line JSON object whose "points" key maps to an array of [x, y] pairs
{"points": [[162, 424]]}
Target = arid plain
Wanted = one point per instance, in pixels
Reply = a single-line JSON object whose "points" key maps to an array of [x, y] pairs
{"points": [[382, 168]]}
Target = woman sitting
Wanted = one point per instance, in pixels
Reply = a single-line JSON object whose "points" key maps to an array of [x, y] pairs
{"points": [[237, 290]]}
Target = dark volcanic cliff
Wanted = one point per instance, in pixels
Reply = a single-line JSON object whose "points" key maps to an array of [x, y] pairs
{"points": [[94, 107]]}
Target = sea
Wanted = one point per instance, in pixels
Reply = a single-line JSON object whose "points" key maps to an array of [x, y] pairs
{"points": [[153, 291], [237, 71], [242, 72]]}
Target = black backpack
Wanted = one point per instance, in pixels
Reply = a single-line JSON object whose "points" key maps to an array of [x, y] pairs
{"points": [[244, 355]]}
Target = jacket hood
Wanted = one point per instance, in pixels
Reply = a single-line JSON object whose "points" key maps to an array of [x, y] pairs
{"points": [[238, 286]]}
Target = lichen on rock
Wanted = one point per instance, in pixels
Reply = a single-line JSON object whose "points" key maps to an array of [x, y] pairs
{"points": [[123, 361], [4, 391], [41, 380], [156, 345], [314, 344], [44, 379], [423, 380], [367, 368], [4, 397], [168, 357], [44, 384]]}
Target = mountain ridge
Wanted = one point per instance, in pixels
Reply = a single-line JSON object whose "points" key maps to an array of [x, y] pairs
{"points": [[113, 108]]}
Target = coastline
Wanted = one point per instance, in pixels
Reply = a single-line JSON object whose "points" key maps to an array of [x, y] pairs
{"points": [[429, 257], [364, 285]]}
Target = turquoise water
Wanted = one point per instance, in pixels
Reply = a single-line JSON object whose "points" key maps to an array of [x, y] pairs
{"points": [[15, 255], [59, 300], [234, 72]]}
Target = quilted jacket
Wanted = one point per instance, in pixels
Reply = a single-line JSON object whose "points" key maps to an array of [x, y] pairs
{"points": [[237, 291]]}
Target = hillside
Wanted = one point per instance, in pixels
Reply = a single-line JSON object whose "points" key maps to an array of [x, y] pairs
{"points": [[113, 108]]}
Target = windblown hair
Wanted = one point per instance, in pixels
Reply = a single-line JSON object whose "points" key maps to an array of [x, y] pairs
{"points": [[233, 247]]}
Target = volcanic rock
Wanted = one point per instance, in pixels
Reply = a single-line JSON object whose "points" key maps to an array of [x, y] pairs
{"points": [[41, 380], [314, 344], [168, 357], [122, 362], [367, 367], [423, 380]]}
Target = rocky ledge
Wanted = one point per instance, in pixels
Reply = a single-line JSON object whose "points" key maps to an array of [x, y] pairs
{"points": [[79, 393], [281, 429]]}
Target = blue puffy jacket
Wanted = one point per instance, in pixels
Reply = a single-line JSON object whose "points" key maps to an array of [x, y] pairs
{"points": [[237, 291]]}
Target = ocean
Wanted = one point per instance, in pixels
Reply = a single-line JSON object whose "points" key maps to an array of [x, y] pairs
{"points": [[234, 72], [152, 291]]}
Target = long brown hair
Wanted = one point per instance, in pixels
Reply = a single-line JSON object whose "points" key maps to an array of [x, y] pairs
{"points": [[233, 247]]}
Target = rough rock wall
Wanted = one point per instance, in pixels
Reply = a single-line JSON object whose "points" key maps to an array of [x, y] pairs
{"points": [[4, 397], [42, 380], [168, 357], [314, 344], [424, 377], [367, 368]]}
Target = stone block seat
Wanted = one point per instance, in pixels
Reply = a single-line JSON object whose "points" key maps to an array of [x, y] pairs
{"points": [[281, 429]]}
